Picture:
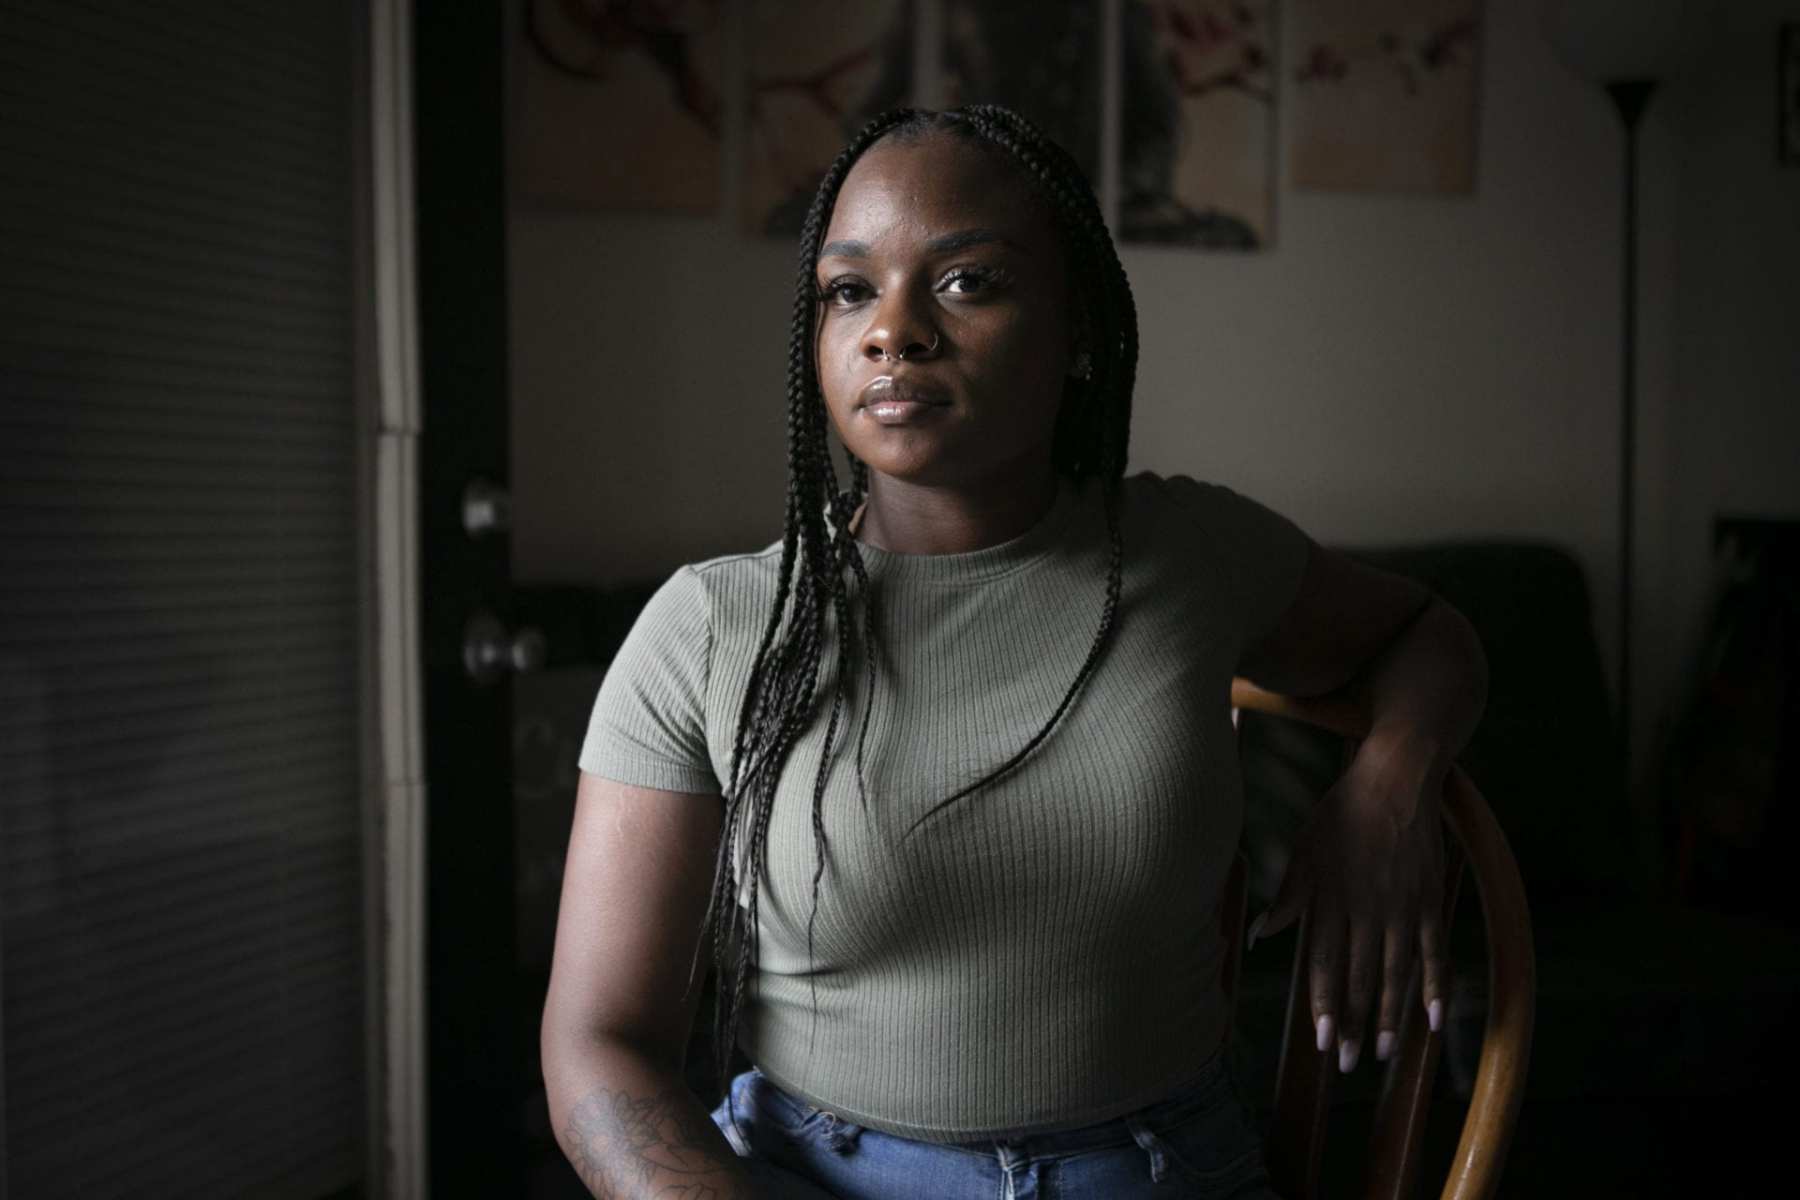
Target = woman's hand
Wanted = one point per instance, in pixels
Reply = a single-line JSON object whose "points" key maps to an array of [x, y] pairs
{"points": [[1369, 864]]}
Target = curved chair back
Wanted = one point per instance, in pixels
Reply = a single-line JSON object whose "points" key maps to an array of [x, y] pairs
{"points": [[1303, 1084]]}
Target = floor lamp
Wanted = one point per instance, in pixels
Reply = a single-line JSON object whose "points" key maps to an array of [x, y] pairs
{"points": [[1627, 47]]}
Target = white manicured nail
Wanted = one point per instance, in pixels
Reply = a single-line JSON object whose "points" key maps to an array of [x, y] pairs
{"points": [[1347, 1053], [1384, 1044], [1435, 1013], [1324, 1033]]}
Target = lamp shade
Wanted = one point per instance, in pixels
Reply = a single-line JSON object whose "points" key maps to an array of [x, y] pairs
{"points": [[1618, 41]]}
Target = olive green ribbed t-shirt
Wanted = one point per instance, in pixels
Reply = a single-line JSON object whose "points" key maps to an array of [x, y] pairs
{"points": [[1044, 953]]}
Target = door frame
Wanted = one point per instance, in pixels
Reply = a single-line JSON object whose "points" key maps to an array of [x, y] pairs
{"points": [[474, 1027], [390, 422]]}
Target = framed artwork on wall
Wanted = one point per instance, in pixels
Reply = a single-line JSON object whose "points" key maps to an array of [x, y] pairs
{"points": [[1197, 158], [1040, 58], [622, 104], [579, 65], [1383, 95], [819, 69]]}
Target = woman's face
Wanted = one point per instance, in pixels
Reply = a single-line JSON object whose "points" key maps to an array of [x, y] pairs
{"points": [[938, 253]]}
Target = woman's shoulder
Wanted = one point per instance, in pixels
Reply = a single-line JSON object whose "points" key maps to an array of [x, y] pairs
{"points": [[702, 608], [1194, 512], [745, 568], [725, 586], [1156, 493]]}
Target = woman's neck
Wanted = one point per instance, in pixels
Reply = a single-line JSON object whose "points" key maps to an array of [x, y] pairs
{"points": [[909, 518]]}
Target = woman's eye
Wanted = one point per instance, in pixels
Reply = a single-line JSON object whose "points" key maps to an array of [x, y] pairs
{"points": [[966, 282], [843, 291]]}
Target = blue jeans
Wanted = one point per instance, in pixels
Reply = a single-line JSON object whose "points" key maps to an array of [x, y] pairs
{"points": [[1200, 1143]]}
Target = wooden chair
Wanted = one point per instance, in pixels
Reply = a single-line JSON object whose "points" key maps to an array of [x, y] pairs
{"points": [[1304, 1076]]}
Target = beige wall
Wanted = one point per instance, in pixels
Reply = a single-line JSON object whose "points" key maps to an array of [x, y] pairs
{"points": [[1394, 369]]}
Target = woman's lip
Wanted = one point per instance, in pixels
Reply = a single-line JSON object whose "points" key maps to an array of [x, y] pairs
{"points": [[900, 411], [893, 411], [901, 390]]}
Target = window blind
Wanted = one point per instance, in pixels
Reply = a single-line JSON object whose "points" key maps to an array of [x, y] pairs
{"points": [[182, 958]]}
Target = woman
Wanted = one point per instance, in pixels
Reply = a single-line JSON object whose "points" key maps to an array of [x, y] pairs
{"points": [[970, 723]]}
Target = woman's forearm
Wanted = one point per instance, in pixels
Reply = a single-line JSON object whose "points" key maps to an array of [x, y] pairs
{"points": [[632, 1129], [1424, 695]]}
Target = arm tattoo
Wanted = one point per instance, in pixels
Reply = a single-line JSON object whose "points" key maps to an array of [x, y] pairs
{"points": [[626, 1147]]}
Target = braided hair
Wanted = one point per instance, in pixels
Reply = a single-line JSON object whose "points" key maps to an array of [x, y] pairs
{"points": [[820, 559]]}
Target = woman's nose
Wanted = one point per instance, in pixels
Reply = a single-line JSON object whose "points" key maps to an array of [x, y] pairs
{"points": [[899, 333]]}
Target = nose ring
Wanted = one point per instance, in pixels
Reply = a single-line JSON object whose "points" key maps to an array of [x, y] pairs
{"points": [[901, 357]]}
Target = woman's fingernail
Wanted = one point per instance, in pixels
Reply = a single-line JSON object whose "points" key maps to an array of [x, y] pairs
{"points": [[1384, 1044], [1434, 1012], [1256, 928], [1347, 1053], [1324, 1033]]}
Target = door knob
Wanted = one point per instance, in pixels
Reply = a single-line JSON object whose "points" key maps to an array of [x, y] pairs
{"points": [[486, 508], [489, 651]]}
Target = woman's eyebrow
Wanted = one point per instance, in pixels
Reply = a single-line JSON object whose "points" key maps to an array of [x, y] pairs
{"points": [[948, 243]]}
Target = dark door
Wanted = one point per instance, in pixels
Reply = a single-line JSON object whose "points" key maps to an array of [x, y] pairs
{"points": [[470, 645]]}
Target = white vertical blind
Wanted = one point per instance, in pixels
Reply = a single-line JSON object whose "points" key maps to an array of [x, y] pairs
{"points": [[181, 834]]}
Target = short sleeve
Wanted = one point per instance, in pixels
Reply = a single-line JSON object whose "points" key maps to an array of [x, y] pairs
{"points": [[1265, 552], [648, 726]]}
